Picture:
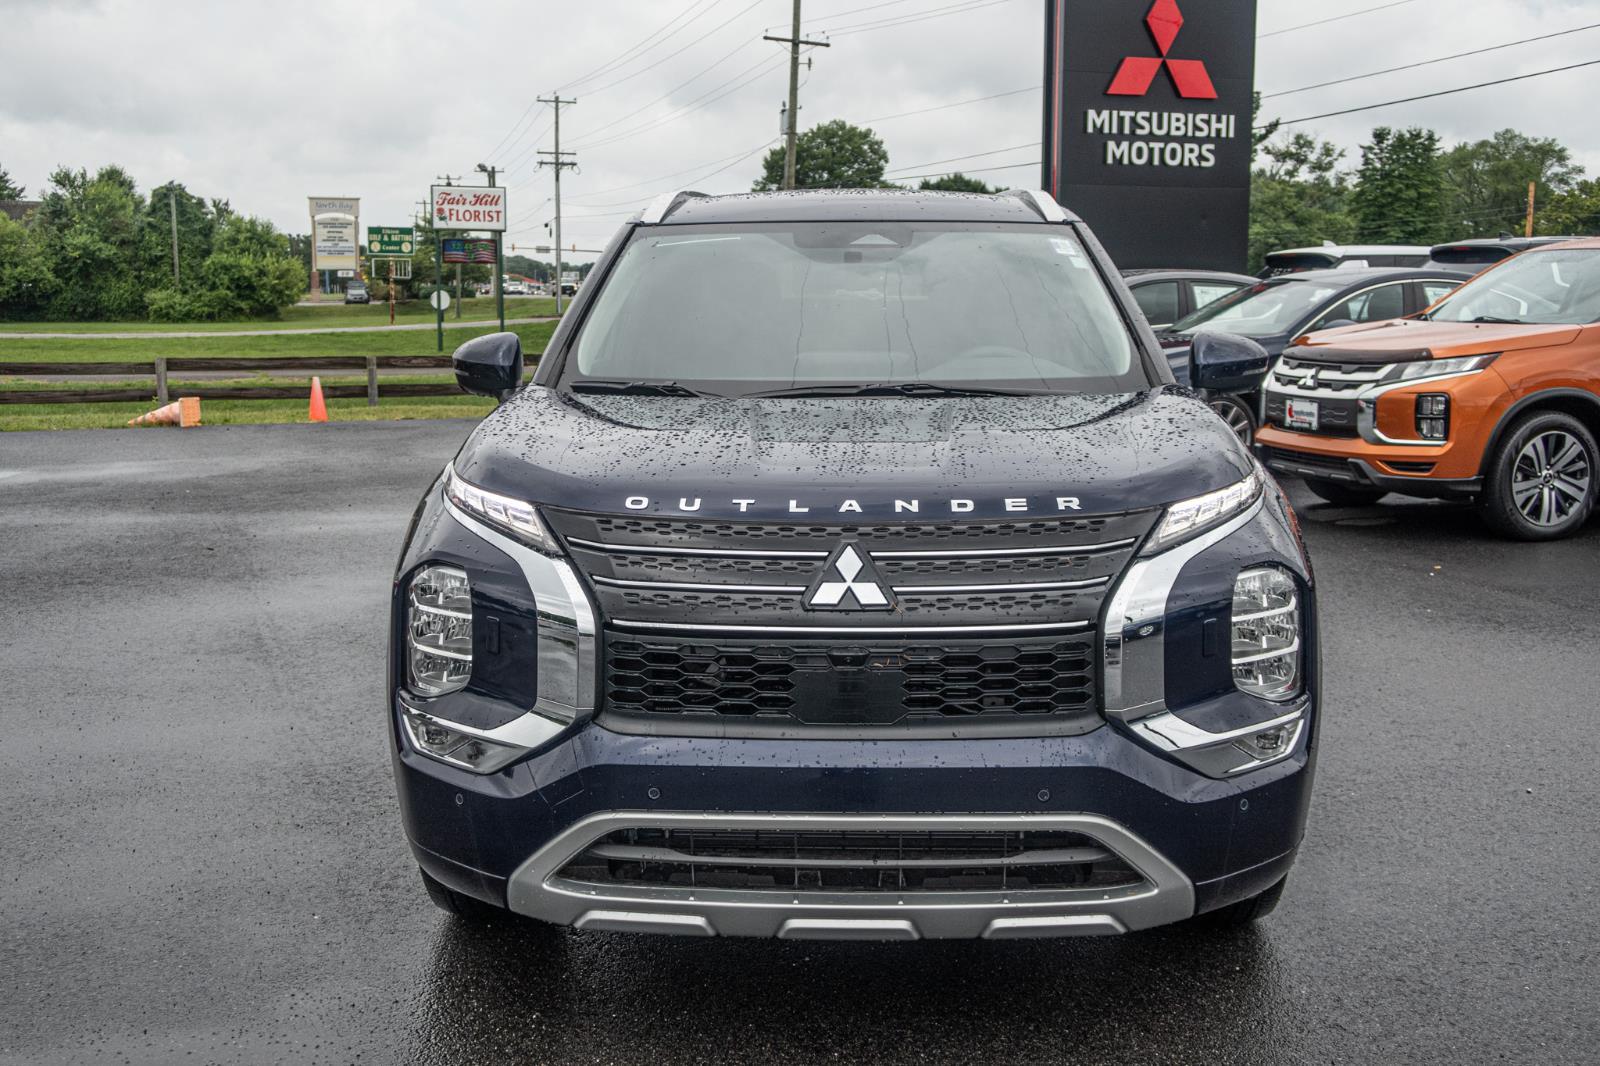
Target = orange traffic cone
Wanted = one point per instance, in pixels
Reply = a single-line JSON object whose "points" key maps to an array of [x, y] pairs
{"points": [[319, 409], [184, 412]]}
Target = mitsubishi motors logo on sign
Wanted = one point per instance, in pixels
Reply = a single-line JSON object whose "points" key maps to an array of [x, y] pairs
{"points": [[1147, 116], [1189, 76]]}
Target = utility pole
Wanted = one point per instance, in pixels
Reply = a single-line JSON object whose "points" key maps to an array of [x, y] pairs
{"points": [[499, 262], [438, 271], [1531, 187], [558, 163], [172, 204], [791, 135]]}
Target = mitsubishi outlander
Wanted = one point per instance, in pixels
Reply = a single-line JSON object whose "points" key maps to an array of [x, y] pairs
{"points": [[852, 568]]}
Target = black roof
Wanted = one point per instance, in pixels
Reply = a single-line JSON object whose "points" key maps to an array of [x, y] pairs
{"points": [[1514, 243], [849, 205]]}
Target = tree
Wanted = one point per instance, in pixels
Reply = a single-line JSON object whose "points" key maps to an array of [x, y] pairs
{"points": [[89, 228], [1298, 197], [9, 190], [957, 182], [834, 155], [26, 283], [1488, 181], [197, 222], [1574, 211], [1400, 194]]}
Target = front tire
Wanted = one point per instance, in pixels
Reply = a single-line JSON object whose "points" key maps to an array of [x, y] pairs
{"points": [[1542, 479], [1234, 411], [1337, 492]]}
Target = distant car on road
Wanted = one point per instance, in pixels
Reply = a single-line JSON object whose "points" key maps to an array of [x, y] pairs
{"points": [[1167, 295], [516, 288], [1330, 256], [1276, 311], [1480, 252], [356, 292]]}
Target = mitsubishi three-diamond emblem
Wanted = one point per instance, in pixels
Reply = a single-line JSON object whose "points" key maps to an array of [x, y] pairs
{"points": [[849, 582]]}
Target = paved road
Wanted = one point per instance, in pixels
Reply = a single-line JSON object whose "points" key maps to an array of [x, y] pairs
{"points": [[449, 323], [203, 862]]}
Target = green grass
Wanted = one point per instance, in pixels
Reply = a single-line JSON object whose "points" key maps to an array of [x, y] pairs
{"points": [[177, 385], [239, 412], [323, 316], [120, 350]]}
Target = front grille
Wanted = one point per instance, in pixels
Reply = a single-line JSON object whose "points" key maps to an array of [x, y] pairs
{"points": [[1335, 417], [986, 620], [784, 860], [841, 683], [1309, 460]]}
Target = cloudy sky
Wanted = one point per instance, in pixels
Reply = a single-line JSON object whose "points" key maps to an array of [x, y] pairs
{"points": [[265, 104]]}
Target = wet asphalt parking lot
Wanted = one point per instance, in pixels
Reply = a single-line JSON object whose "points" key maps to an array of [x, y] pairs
{"points": [[203, 861]]}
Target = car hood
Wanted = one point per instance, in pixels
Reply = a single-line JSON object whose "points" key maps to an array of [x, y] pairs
{"points": [[1442, 339], [773, 459]]}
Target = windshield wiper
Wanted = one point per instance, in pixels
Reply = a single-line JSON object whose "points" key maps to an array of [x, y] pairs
{"points": [[634, 388], [1498, 321], [904, 388]]}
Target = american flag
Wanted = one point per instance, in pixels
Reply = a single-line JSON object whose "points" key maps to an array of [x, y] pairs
{"points": [[482, 250]]}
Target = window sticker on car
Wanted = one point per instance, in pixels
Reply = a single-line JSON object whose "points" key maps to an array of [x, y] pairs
{"points": [[1070, 250]]}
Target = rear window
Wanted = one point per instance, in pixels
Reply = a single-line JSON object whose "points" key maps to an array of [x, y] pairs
{"points": [[1290, 263], [1470, 255]]}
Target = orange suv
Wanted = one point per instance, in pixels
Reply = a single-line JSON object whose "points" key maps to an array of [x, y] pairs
{"points": [[1492, 394]]}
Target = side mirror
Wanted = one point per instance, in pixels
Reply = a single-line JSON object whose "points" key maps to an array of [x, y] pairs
{"points": [[489, 365], [1226, 362]]}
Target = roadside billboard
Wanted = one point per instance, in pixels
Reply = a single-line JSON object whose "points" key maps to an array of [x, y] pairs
{"points": [[468, 207], [1147, 122]]}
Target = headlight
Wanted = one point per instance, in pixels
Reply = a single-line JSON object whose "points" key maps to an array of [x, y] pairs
{"points": [[1433, 368], [1266, 634], [1199, 513], [438, 630], [504, 513]]}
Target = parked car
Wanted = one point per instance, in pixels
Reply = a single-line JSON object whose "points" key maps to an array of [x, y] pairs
{"points": [[774, 605], [355, 292], [1492, 395], [1330, 256], [1276, 311], [1167, 295], [1477, 253]]}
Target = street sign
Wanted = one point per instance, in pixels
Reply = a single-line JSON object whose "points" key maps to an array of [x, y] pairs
{"points": [[542, 249], [390, 240], [440, 300]]}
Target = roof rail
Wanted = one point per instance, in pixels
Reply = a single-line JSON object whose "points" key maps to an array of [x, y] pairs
{"points": [[1043, 203], [664, 205]]}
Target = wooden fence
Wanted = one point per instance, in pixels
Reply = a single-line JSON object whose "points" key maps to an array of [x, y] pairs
{"points": [[163, 367]]}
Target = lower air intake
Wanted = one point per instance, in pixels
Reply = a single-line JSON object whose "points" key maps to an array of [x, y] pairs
{"points": [[851, 861]]}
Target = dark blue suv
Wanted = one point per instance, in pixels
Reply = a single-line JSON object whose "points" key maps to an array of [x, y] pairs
{"points": [[853, 568]]}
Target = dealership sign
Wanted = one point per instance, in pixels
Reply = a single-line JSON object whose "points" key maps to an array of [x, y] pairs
{"points": [[1147, 125], [468, 207]]}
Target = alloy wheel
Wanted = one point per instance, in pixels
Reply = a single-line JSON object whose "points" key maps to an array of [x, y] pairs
{"points": [[1237, 418], [1551, 478]]}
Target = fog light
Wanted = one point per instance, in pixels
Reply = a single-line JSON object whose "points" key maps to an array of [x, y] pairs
{"points": [[1433, 416], [439, 630], [456, 744], [1266, 634], [1272, 744]]}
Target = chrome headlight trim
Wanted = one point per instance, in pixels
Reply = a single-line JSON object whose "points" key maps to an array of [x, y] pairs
{"points": [[1224, 754], [567, 645]]}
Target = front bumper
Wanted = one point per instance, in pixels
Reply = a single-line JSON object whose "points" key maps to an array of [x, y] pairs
{"points": [[1198, 842], [1352, 461]]}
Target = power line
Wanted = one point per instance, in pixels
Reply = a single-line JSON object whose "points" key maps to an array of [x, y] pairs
{"points": [[955, 9], [642, 70], [973, 170], [615, 63], [1429, 96], [736, 157], [946, 107], [1430, 62], [1335, 18], [669, 93], [703, 101], [975, 155]]}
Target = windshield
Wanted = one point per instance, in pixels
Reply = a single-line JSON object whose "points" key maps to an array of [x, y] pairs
{"points": [[1548, 288], [743, 309], [1265, 310]]}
